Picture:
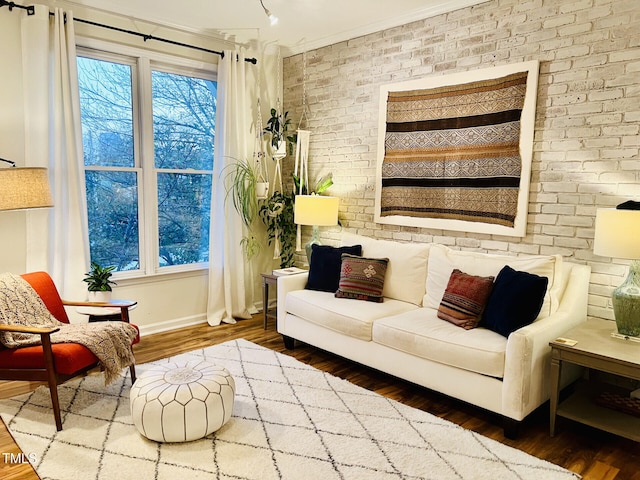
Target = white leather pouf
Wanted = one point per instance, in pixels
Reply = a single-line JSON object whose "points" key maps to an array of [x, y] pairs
{"points": [[180, 402]]}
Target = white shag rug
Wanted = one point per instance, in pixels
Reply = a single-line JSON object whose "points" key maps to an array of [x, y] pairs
{"points": [[290, 421]]}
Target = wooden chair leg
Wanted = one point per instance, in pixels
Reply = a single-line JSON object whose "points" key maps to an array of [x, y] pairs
{"points": [[51, 379], [55, 403]]}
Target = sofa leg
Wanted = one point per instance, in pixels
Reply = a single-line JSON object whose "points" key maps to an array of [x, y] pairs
{"points": [[511, 428], [288, 342]]}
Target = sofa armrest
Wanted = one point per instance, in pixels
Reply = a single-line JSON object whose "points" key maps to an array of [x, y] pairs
{"points": [[286, 284], [528, 357]]}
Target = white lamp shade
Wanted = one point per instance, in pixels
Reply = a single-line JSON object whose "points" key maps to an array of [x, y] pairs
{"points": [[22, 188], [617, 233], [316, 210]]}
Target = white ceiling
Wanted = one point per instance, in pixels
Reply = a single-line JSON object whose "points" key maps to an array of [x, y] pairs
{"points": [[303, 24]]}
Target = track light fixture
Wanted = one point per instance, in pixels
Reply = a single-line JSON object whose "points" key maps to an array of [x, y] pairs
{"points": [[272, 18]]}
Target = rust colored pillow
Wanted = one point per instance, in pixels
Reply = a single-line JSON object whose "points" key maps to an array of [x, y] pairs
{"points": [[464, 299]]}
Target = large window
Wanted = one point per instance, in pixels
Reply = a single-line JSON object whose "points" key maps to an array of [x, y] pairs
{"points": [[148, 133]]}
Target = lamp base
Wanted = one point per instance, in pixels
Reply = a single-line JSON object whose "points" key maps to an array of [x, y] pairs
{"points": [[626, 303], [315, 240]]}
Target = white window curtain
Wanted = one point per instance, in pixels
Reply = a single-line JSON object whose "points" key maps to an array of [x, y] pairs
{"points": [[57, 239], [230, 276]]}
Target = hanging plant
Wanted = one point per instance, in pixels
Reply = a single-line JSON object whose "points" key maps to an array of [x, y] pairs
{"points": [[241, 187], [277, 127], [277, 215], [241, 184]]}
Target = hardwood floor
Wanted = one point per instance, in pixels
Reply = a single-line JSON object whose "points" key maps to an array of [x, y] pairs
{"points": [[593, 454]]}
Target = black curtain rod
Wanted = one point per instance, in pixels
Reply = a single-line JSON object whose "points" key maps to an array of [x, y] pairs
{"points": [[31, 11]]}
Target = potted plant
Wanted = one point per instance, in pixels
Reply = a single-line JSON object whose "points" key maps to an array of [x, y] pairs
{"points": [[277, 215], [99, 282], [277, 127], [242, 184]]}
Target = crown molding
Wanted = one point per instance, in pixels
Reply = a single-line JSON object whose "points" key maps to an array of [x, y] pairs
{"points": [[445, 6]]}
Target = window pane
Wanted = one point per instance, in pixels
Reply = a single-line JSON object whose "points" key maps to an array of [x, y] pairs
{"points": [[183, 121], [106, 112], [183, 218], [112, 206]]}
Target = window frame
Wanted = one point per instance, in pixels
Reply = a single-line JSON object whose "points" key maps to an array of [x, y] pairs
{"points": [[142, 63]]}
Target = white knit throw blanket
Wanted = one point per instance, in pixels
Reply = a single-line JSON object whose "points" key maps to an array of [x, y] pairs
{"points": [[21, 305]]}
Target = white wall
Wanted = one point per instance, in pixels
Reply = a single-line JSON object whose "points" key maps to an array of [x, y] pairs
{"points": [[587, 135], [164, 301], [12, 224]]}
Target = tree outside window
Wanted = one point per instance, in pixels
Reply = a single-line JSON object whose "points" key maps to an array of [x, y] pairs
{"points": [[143, 168]]}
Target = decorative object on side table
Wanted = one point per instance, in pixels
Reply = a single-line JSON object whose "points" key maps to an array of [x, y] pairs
{"points": [[99, 282], [617, 235], [317, 211], [279, 272]]}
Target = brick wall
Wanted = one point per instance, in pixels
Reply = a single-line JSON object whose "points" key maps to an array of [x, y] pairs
{"points": [[587, 137]]}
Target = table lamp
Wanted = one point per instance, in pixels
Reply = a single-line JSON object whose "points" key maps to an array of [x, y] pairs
{"points": [[617, 234], [24, 187], [317, 211]]}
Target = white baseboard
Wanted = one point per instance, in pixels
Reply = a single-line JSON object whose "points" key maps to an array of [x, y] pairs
{"points": [[174, 324]]}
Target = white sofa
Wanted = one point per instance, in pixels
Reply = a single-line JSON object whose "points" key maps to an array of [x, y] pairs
{"points": [[404, 337]]}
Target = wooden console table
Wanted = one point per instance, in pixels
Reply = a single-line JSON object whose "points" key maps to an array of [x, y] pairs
{"points": [[596, 350]]}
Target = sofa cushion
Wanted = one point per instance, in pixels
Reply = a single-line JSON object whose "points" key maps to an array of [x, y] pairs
{"points": [[362, 278], [421, 333], [407, 269], [443, 260], [341, 314], [324, 266], [464, 299], [515, 301]]}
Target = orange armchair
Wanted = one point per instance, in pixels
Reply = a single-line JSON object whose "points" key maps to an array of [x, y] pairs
{"points": [[53, 363]]}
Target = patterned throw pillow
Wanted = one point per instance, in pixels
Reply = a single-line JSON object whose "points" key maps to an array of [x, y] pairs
{"points": [[362, 278], [464, 299]]}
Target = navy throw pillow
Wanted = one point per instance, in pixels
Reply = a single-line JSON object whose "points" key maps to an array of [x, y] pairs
{"points": [[324, 266], [515, 301]]}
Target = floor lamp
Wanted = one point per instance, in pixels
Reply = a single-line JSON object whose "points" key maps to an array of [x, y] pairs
{"points": [[617, 235], [317, 211], [24, 187]]}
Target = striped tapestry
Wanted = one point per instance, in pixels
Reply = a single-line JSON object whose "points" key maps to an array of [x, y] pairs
{"points": [[453, 152]]}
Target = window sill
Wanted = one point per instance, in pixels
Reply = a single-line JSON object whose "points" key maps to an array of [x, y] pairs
{"points": [[125, 280]]}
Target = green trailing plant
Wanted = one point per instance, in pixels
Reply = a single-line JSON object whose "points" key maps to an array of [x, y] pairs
{"points": [[241, 187], [250, 246], [99, 278], [277, 215]]}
